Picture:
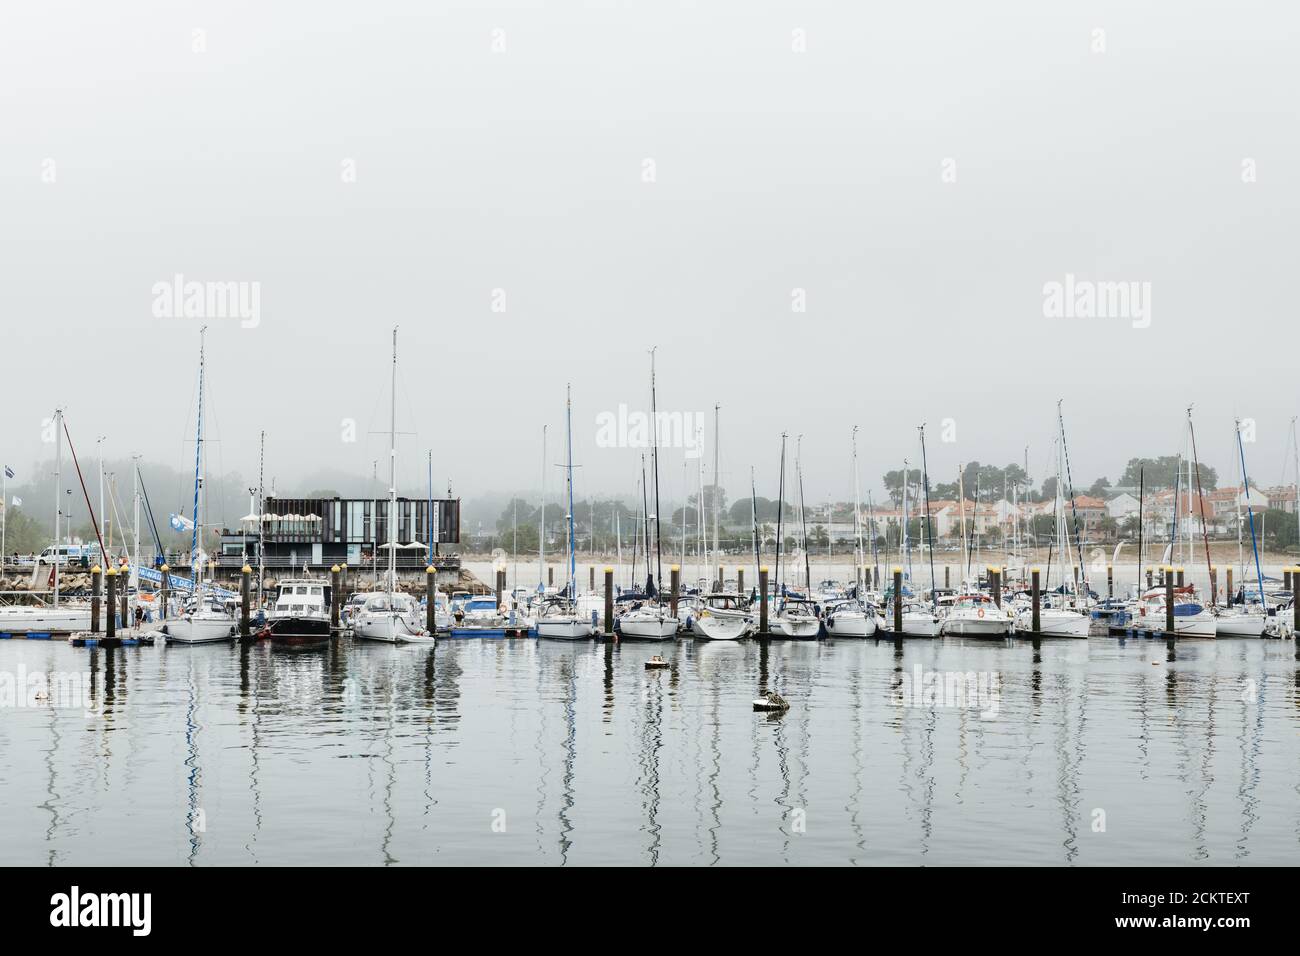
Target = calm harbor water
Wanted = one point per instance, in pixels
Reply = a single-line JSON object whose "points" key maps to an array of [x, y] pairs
{"points": [[527, 751]]}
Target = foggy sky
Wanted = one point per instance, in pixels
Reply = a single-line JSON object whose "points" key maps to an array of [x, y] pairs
{"points": [[775, 170]]}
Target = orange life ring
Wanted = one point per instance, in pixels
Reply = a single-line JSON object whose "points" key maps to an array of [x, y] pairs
{"points": [[981, 612]]}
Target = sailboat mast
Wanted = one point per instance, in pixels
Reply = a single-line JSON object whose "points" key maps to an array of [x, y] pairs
{"points": [[1250, 512], [654, 452], [261, 506], [717, 485], [568, 427], [859, 552], [58, 494], [392, 473], [1142, 489], [803, 522], [195, 563], [780, 513], [541, 525], [753, 517], [1205, 534], [929, 534]]}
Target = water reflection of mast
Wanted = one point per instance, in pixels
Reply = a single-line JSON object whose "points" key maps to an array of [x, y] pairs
{"points": [[1249, 765], [570, 755], [248, 681], [652, 742], [51, 804], [192, 762]]}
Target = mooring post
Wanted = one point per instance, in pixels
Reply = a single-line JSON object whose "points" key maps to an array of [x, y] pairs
{"points": [[96, 580], [592, 585], [501, 586], [995, 582], [336, 595], [245, 600], [1214, 585], [675, 581], [430, 599], [163, 592], [609, 600], [740, 582], [1110, 581], [947, 576], [762, 602], [1035, 620], [898, 601], [550, 577], [722, 576], [1149, 581], [123, 595], [1286, 579], [1229, 589], [1169, 602], [110, 620], [1180, 577], [1295, 623]]}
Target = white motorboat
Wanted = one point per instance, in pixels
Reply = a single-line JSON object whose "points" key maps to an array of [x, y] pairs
{"points": [[919, 620], [977, 615], [720, 617], [301, 612], [390, 617], [649, 622], [851, 619]]}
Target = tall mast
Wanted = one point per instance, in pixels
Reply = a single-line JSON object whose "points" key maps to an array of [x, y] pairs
{"points": [[803, 523], [58, 494], [753, 517], [780, 514], [714, 502], [198, 457], [135, 556], [1250, 512], [1205, 534], [929, 535], [568, 425], [859, 553], [904, 545], [261, 506], [645, 518], [1065, 451], [392, 473], [654, 451], [541, 525]]}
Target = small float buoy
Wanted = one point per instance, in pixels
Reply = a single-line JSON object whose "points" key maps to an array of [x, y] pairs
{"points": [[773, 701], [655, 662]]}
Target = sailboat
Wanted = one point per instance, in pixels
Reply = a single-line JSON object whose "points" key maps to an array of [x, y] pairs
{"points": [[204, 619], [391, 615], [651, 621], [1055, 619], [1248, 618], [560, 618], [854, 617], [795, 617]]}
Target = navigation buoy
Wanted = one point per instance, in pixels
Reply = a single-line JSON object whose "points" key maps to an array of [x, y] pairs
{"points": [[655, 663]]}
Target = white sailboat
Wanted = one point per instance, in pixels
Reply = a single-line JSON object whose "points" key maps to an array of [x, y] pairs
{"points": [[391, 615], [204, 619], [560, 619]]}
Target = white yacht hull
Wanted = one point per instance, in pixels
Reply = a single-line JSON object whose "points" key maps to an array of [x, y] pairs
{"points": [[992, 624], [919, 625], [851, 624], [649, 628], [795, 628], [390, 628], [200, 629], [1233, 624], [564, 629], [1054, 623], [718, 627], [44, 620]]}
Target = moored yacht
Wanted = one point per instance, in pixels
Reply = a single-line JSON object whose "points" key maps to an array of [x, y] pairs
{"points": [[721, 617], [977, 615], [301, 612]]}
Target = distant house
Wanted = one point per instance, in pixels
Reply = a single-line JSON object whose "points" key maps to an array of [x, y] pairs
{"points": [[1282, 498], [1122, 505]]}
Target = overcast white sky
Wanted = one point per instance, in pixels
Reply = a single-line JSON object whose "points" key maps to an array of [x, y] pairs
{"points": [[775, 170]]}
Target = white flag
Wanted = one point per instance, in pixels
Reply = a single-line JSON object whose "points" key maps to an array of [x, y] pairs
{"points": [[18, 502]]}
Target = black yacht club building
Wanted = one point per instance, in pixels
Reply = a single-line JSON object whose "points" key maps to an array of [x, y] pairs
{"points": [[320, 532]]}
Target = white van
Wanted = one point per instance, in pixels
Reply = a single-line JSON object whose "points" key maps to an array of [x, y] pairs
{"points": [[69, 554]]}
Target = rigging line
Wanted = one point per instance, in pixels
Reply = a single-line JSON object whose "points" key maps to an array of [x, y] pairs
{"points": [[85, 494]]}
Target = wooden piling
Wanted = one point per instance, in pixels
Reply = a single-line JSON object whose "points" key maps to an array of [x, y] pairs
{"points": [[947, 576], [740, 582], [500, 586], [550, 577], [762, 602], [1180, 577], [1036, 619], [163, 592], [246, 599], [1169, 602], [1149, 581], [1214, 585], [336, 595], [123, 597], [1286, 579], [995, 582], [609, 600], [898, 601], [675, 582], [1229, 591], [430, 599], [1110, 581], [110, 619], [96, 582]]}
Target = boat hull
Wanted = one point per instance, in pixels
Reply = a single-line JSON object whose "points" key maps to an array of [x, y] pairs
{"points": [[199, 629], [991, 625], [795, 629], [718, 627], [44, 620], [851, 625], [1240, 625], [299, 631], [1054, 623], [564, 629], [648, 628], [389, 628]]}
